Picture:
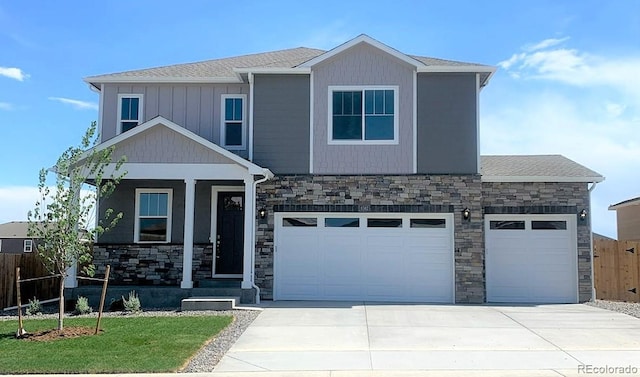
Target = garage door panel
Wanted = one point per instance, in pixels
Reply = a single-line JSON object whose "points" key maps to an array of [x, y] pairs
{"points": [[375, 263], [532, 264]]}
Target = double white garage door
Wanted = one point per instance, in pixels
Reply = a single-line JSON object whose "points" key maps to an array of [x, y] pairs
{"points": [[375, 257], [410, 257]]}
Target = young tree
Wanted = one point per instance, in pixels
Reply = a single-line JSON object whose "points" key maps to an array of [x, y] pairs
{"points": [[60, 221]]}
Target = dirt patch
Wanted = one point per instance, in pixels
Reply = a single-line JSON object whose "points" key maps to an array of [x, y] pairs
{"points": [[66, 333]]}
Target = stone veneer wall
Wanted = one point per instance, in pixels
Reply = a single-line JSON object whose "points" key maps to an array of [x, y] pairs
{"points": [[413, 193], [546, 198], [156, 264]]}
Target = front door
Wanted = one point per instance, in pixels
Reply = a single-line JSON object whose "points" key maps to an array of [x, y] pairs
{"points": [[229, 242]]}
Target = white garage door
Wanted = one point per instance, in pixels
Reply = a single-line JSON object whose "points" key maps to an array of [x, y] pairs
{"points": [[351, 256], [531, 258]]}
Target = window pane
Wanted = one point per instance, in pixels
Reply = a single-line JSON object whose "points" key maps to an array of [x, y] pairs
{"points": [[500, 225], [384, 223], [163, 199], [125, 110], [126, 126], [388, 102], [144, 205], [228, 109], [233, 134], [357, 103], [153, 205], [379, 101], [549, 225], [347, 106], [378, 127], [428, 223], [347, 127], [237, 113], [337, 103], [135, 104], [368, 101], [153, 229], [299, 221], [339, 222]]}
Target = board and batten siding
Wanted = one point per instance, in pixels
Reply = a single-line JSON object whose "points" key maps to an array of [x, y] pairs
{"points": [[281, 123], [447, 123], [362, 65], [197, 107]]}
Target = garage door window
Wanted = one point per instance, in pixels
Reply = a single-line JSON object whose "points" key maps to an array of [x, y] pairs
{"points": [[506, 225], [384, 223], [299, 221], [549, 225], [428, 223], [341, 222]]}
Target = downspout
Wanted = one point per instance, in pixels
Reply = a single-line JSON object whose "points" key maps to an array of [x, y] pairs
{"points": [[267, 175], [593, 283]]}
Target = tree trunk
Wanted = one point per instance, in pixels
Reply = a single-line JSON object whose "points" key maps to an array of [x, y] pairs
{"points": [[61, 306]]}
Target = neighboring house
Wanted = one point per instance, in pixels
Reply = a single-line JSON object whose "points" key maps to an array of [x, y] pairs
{"points": [[14, 239], [349, 174], [628, 219]]}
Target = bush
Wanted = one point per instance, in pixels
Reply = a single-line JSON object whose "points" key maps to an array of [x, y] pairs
{"points": [[82, 306], [131, 305], [34, 307]]}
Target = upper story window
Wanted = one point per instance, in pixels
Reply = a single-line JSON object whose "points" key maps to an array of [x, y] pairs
{"points": [[129, 111], [363, 115], [153, 215], [233, 124], [28, 246]]}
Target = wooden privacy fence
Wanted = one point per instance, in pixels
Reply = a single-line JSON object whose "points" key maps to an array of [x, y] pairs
{"points": [[30, 267], [617, 270]]}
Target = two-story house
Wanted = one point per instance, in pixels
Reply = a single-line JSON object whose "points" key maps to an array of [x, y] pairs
{"points": [[348, 174]]}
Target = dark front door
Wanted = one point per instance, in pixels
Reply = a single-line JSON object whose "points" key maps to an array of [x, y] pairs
{"points": [[230, 233]]}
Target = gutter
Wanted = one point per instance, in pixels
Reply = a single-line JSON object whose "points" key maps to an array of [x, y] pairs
{"points": [[267, 176]]}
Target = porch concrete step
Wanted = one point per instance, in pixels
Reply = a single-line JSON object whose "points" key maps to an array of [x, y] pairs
{"points": [[210, 303], [219, 283], [216, 292]]}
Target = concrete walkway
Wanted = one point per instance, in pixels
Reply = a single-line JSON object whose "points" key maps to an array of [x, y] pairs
{"points": [[358, 339]]}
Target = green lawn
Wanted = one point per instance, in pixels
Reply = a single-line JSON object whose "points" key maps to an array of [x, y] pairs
{"points": [[127, 344]]}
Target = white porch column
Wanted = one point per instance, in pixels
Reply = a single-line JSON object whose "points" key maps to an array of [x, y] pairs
{"points": [[249, 218], [189, 214]]}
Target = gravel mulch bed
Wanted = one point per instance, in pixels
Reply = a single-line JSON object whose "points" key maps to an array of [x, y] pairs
{"points": [[630, 308], [207, 358]]}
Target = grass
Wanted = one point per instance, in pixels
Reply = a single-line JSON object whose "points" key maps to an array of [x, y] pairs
{"points": [[126, 345]]}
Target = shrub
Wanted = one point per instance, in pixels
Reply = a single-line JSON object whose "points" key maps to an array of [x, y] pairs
{"points": [[34, 307], [82, 306], [131, 305]]}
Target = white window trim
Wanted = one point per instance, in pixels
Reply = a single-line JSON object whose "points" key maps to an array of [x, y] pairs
{"points": [[136, 227], [396, 110], [28, 246], [140, 109], [223, 129]]}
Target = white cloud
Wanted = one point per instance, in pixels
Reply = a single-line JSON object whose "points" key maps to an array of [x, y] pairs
{"points": [[13, 73], [328, 36], [78, 104], [545, 44], [6, 106], [614, 109]]}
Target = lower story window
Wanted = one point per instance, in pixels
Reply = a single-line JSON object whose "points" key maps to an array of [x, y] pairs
{"points": [[153, 215]]}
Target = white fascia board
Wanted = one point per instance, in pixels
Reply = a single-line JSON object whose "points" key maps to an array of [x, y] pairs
{"points": [[457, 68], [489, 178], [274, 70], [626, 203], [363, 38], [156, 80], [251, 167]]}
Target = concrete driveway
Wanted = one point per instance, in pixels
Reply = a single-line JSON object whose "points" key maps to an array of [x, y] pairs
{"points": [[338, 336]]}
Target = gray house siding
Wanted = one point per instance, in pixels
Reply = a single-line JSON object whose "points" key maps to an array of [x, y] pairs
{"points": [[281, 123], [447, 123], [12, 245], [195, 107], [362, 65]]}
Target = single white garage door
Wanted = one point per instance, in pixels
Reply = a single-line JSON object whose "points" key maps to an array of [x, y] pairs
{"points": [[531, 258], [373, 257]]}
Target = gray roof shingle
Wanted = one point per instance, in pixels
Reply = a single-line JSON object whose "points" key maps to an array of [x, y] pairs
{"points": [[14, 229], [537, 167]]}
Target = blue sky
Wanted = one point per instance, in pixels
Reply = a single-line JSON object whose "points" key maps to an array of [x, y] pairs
{"points": [[568, 80]]}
